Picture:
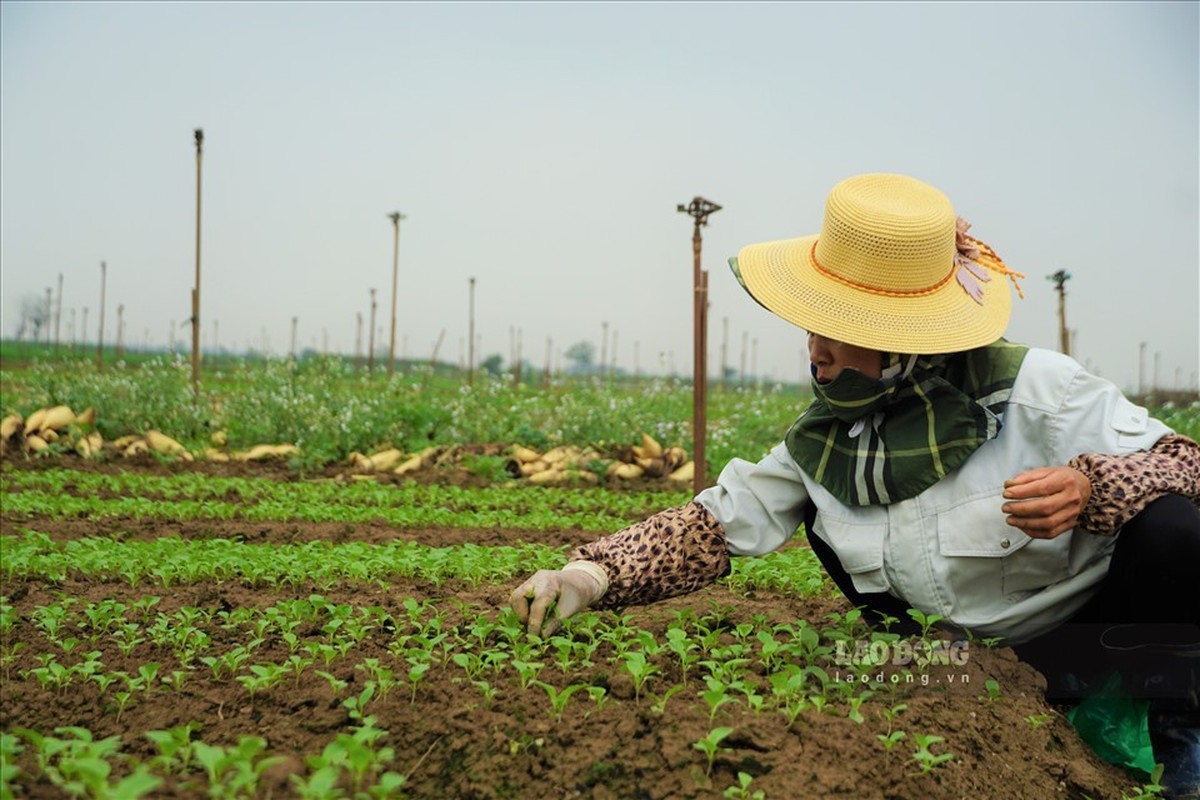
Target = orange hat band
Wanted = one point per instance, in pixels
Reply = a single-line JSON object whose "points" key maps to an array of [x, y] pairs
{"points": [[866, 287]]}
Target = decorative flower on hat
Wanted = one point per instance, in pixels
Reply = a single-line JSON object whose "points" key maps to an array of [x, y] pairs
{"points": [[969, 274]]}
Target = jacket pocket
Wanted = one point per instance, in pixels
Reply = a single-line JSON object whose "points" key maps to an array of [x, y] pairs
{"points": [[859, 548], [987, 559], [1130, 422]]}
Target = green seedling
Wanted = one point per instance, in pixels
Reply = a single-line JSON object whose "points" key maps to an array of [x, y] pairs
{"points": [[926, 621], [659, 706], [527, 671], [471, 664], [742, 790], [174, 747], [1038, 720], [488, 691], [123, 699], [710, 744], [417, 670], [1149, 791], [559, 698], [890, 740], [177, 679], [10, 748], [641, 669], [993, 690], [234, 771], [925, 759], [599, 696], [855, 714], [297, 664], [336, 684], [384, 677], [8, 654], [356, 704], [683, 648], [262, 677], [715, 696], [770, 650]]}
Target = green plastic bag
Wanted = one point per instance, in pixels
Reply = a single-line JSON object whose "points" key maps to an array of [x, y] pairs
{"points": [[1116, 726]]}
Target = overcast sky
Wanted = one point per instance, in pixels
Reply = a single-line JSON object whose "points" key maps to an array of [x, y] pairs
{"points": [[543, 149]]}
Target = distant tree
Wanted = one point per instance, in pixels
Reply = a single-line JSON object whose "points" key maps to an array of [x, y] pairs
{"points": [[34, 314], [493, 364], [582, 355]]}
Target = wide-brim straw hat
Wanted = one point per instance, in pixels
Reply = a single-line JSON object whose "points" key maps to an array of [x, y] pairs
{"points": [[892, 269]]}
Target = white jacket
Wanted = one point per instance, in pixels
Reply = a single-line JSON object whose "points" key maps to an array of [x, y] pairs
{"points": [[948, 550]]}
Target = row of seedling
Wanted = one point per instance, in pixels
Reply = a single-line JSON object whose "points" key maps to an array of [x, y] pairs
{"points": [[704, 659], [59, 493], [172, 561], [80, 765]]}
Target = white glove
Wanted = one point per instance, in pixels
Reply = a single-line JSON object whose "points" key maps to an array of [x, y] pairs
{"points": [[567, 591]]}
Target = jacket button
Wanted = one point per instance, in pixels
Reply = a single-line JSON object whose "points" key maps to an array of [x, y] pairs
{"points": [[1005, 543]]}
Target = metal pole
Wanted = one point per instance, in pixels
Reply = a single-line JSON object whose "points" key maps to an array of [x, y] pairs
{"points": [[196, 290], [603, 347], [754, 362], [100, 334], [120, 331], [742, 370], [703, 426], [1142, 369], [371, 340], [698, 426], [395, 217], [471, 333], [612, 362], [699, 209], [724, 353], [358, 341], [58, 312], [1060, 278], [517, 360]]}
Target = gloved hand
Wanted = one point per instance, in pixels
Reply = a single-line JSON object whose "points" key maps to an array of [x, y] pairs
{"points": [[566, 592]]}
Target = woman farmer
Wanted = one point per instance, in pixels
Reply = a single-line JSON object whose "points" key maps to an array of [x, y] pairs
{"points": [[939, 467]]}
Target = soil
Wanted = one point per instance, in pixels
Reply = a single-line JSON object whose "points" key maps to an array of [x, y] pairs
{"points": [[451, 742]]}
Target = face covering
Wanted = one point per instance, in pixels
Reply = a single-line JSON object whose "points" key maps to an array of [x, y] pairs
{"points": [[852, 395], [875, 441]]}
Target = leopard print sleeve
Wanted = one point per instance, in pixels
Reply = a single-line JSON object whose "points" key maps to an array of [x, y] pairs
{"points": [[674, 552], [1124, 485]]}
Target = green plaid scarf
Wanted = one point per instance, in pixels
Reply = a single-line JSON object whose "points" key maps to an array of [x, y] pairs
{"points": [[877, 441]]}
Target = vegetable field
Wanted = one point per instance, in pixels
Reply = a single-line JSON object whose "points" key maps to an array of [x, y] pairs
{"points": [[297, 628]]}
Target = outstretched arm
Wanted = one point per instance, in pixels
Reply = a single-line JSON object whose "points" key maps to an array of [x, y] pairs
{"points": [[673, 552]]}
